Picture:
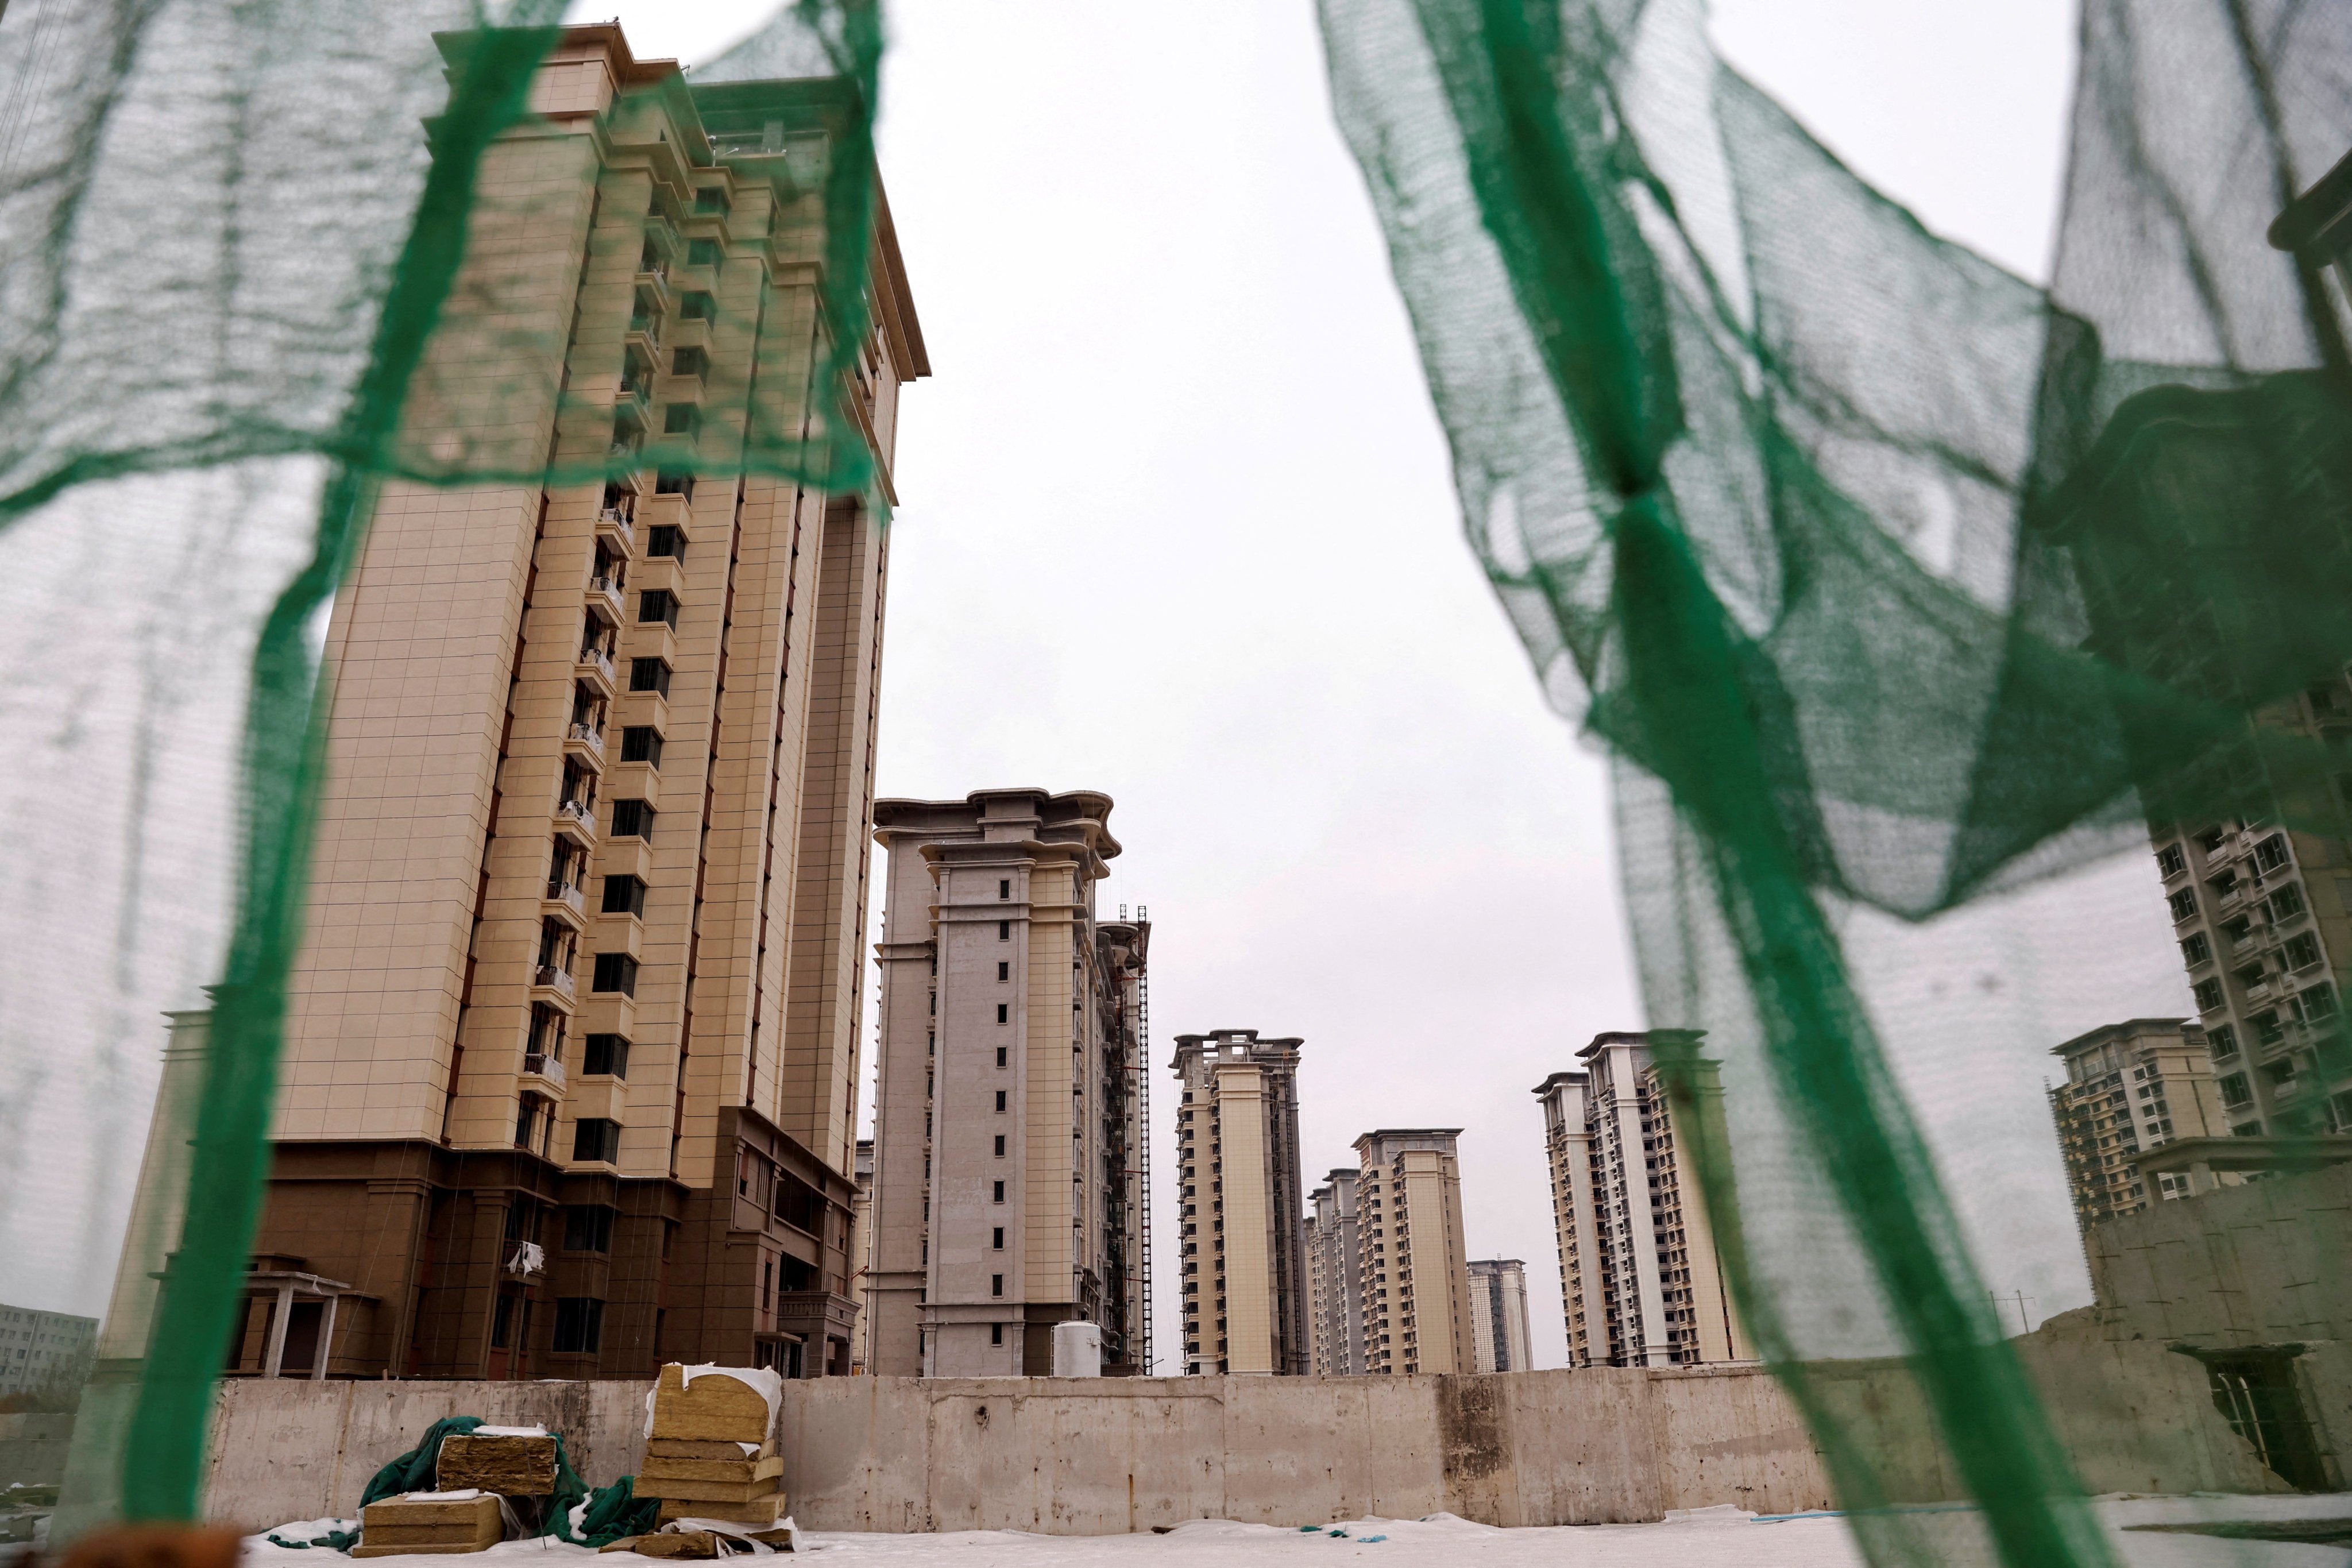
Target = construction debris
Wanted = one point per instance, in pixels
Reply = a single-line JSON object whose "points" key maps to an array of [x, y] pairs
{"points": [[413, 1522], [508, 1463], [708, 1451]]}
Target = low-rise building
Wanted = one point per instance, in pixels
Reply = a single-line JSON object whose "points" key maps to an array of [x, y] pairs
{"points": [[45, 1352]]}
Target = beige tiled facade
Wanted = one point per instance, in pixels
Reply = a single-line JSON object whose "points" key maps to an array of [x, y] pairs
{"points": [[2132, 1086], [1241, 1231], [1010, 1131], [571, 1057], [1498, 1315], [1414, 1270], [1641, 1280], [1335, 1294]]}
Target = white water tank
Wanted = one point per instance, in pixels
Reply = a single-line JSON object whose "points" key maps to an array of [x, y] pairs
{"points": [[1077, 1350]]}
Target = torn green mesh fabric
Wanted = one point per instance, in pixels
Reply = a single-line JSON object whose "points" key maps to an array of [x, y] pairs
{"points": [[1905, 594], [228, 252]]}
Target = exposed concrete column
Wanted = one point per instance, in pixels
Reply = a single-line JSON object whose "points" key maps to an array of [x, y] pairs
{"points": [[326, 1340], [276, 1354]]}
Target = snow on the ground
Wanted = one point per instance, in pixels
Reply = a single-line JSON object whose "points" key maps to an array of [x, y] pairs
{"points": [[1705, 1538]]}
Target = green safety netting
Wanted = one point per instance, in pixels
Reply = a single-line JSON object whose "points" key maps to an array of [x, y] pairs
{"points": [[1910, 599], [229, 237]]}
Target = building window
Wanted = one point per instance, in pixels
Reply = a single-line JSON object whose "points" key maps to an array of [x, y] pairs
{"points": [[689, 361], [1000, 1145], [1005, 930], [641, 743], [2287, 903], [594, 1138], [633, 819], [2170, 861], [579, 1324], [587, 1228], [625, 895], [2302, 951], [999, 1055], [999, 1101], [2184, 904], [2196, 949], [606, 1054], [615, 972], [649, 674], [2267, 1028], [996, 1334], [674, 484], [2235, 1091], [1003, 972], [996, 1284], [665, 542], [657, 605], [1004, 888], [1003, 1013], [2208, 994], [2317, 1003], [527, 1121], [2249, 974], [2223, 1040], [1000, 1191], [681, 419], [2271, 853], [695, 305], [998, 1234]]}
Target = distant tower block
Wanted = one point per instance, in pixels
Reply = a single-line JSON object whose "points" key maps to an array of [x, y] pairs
{"points": [[1009, 1136], [1242, 1240], [1498, 1315], [1415, 1274], [1640, 1278], [1335, 1305]]}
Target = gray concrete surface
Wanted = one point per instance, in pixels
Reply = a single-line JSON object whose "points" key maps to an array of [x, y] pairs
{"points": [[1115, 1455]]}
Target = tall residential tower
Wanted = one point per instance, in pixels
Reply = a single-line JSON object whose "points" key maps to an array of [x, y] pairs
{"points": [[1335, 1296], [1415, 1268], [1640, 1281], [1244, 1245], [1009, 1135], [569, 1084], [1498, 1315]]}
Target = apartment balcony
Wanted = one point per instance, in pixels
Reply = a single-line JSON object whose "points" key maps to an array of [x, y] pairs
{"points": [[614, 527], [584, 741], [691, 332], [653, 288], [605, 591], [543, 1073], [643, 337], [577, 818], [595, 669], [552, 982], [568, 904], [524, 1259]]}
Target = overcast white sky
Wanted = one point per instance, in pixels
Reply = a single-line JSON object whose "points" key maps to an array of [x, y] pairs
{"points": [[1177, 524]]}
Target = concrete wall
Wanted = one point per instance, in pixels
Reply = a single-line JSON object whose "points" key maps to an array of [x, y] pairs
{"points": [[1114, 1455], [2266, 1263], [33, 1449]]}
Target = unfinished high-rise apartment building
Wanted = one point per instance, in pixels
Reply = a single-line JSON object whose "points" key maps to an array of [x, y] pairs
{"points": [[2130, 1088], [1641, 1282], [1335, 1294], [1010, 1126], [1243, 1245], [1412, 1261], [1498, 1315], [569, 1084]]}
